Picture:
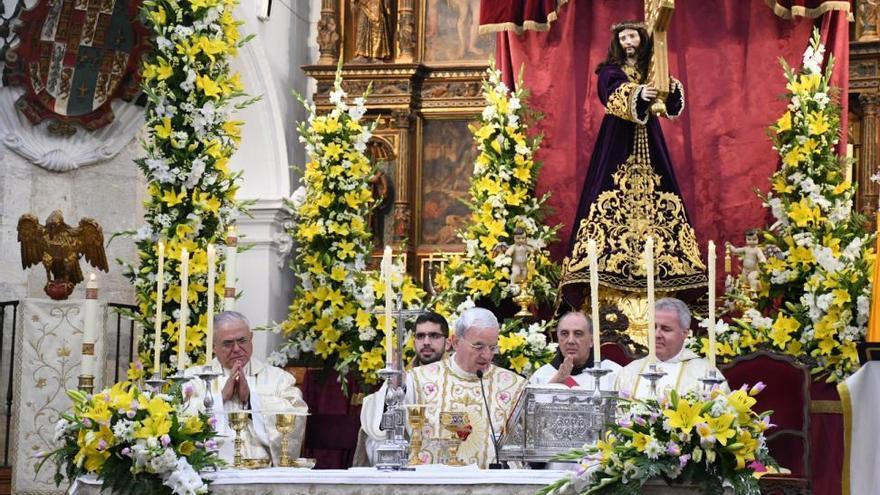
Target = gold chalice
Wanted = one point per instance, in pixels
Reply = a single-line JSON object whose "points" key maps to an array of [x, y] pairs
{"points": [[285, 423], [239, 421], [416, 418], [459, 424]]}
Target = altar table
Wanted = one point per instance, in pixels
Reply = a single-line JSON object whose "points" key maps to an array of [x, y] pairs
{"points": [[426, 480]]}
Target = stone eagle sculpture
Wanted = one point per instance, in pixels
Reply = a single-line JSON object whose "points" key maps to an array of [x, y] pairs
{"points": [[59, 246]]}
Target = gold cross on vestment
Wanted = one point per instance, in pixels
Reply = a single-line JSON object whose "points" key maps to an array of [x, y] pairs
{"points": [[658, 15]]}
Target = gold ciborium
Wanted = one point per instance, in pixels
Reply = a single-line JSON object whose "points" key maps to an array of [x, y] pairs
{"points": [[285, 423], [459, 424], [239, 421], [416, 418]]}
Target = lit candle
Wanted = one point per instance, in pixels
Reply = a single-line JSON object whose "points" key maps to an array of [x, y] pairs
{"points": [[386, 277], [209, 334], [711, 328], [231, 250], [90, 327], [649, 273], [184, 309], [594, 301], [160, 288]]}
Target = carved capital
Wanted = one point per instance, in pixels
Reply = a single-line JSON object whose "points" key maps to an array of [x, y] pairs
{"points": [[868, 102]]}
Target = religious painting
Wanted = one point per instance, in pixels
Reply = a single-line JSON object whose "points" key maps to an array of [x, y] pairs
{"points": [[75, 57], [448, 155], [451, 32]]}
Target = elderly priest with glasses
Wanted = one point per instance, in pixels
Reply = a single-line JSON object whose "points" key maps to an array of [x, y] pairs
{"points": [[466, 381], [246, 383]]}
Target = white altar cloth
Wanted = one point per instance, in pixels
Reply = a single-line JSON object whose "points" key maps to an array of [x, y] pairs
{"points": [[430, 480]]}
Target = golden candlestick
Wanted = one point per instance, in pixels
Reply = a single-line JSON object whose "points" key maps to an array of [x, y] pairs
{"points": [[416, 418], [457, 422], [238, 420], [285, 423]]}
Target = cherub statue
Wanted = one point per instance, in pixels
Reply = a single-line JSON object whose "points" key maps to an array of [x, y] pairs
{"points": [[751, 256], [519, 254], [59, 247]]}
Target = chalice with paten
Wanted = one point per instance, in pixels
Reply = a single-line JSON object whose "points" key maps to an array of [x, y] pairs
{"points": [[458, 423]]}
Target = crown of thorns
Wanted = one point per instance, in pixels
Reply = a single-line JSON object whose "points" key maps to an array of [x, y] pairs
{"points": [[628, 25]]}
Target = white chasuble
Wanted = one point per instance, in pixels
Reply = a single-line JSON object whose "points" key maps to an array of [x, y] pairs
{"points": [[443, 386], [272, 391], [683, 373]]}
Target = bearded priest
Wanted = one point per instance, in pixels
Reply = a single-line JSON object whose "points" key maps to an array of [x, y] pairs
{"points": [[457, 383], [248, 384], [683, 367]]}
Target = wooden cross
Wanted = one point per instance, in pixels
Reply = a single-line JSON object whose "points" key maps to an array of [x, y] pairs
{"points": [[658, 14]]}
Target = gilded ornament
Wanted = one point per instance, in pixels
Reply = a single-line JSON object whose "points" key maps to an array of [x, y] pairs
{"points": [[59, 247]]}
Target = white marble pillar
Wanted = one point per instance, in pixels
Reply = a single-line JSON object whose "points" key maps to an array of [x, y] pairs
{"points": [[264, 279]]}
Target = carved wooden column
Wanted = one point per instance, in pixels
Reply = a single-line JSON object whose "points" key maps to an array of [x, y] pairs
{"points": [[402, 121], [406, 31], [869, 192], [328, 33]]}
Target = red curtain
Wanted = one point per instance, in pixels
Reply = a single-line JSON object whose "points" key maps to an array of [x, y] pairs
{"points": [[724, 51]]}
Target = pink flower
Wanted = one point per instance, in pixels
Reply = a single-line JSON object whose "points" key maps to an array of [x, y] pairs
{"points": [[102, 444], [126, 452], [757, 388], [166, 440], [683, 460], [188, 391], [757, 467], [673, 449]]}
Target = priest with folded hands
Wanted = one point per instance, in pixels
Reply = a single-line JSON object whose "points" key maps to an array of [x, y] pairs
{"points": [[248, 384]]}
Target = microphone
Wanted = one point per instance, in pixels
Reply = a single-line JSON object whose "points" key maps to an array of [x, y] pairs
{"points": [[496, 464]]}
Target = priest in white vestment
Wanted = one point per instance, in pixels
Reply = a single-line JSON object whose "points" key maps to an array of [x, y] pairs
{"points": [[682, 366], [574, 333], [453, 384], [246, 383], [431, 334]]}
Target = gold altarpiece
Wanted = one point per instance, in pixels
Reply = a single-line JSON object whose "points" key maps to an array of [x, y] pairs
{"points": [[864, 98], [426, 89]]}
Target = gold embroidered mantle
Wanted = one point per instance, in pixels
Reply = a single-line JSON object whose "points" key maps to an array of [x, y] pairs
{"points": [[622, 218]]}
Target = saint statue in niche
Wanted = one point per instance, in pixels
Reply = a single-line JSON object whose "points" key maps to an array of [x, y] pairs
{"points": [[372, 30]]}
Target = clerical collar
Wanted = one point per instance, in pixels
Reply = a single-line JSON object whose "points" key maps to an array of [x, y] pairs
{"points": [[457, 370], [681, 356], [575, 370]]}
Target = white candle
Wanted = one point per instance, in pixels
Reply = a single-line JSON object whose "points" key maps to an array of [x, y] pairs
{"points": [[209, 333], [184, 309], [711, 328], [231, 250], [594, 301], [158, 316], [848, 173], [649, 273], [386, 277], [90, 327]]}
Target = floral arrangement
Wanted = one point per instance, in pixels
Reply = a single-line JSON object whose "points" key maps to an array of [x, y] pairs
{"points": [[191, 136], [135, 441], [523, 347], [703, 438], [502, 201], [331, 315], [815, 295]]}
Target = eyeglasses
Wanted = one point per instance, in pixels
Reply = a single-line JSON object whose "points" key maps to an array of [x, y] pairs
{"points": [[480, 347], [241, 342], [429, 336]]}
